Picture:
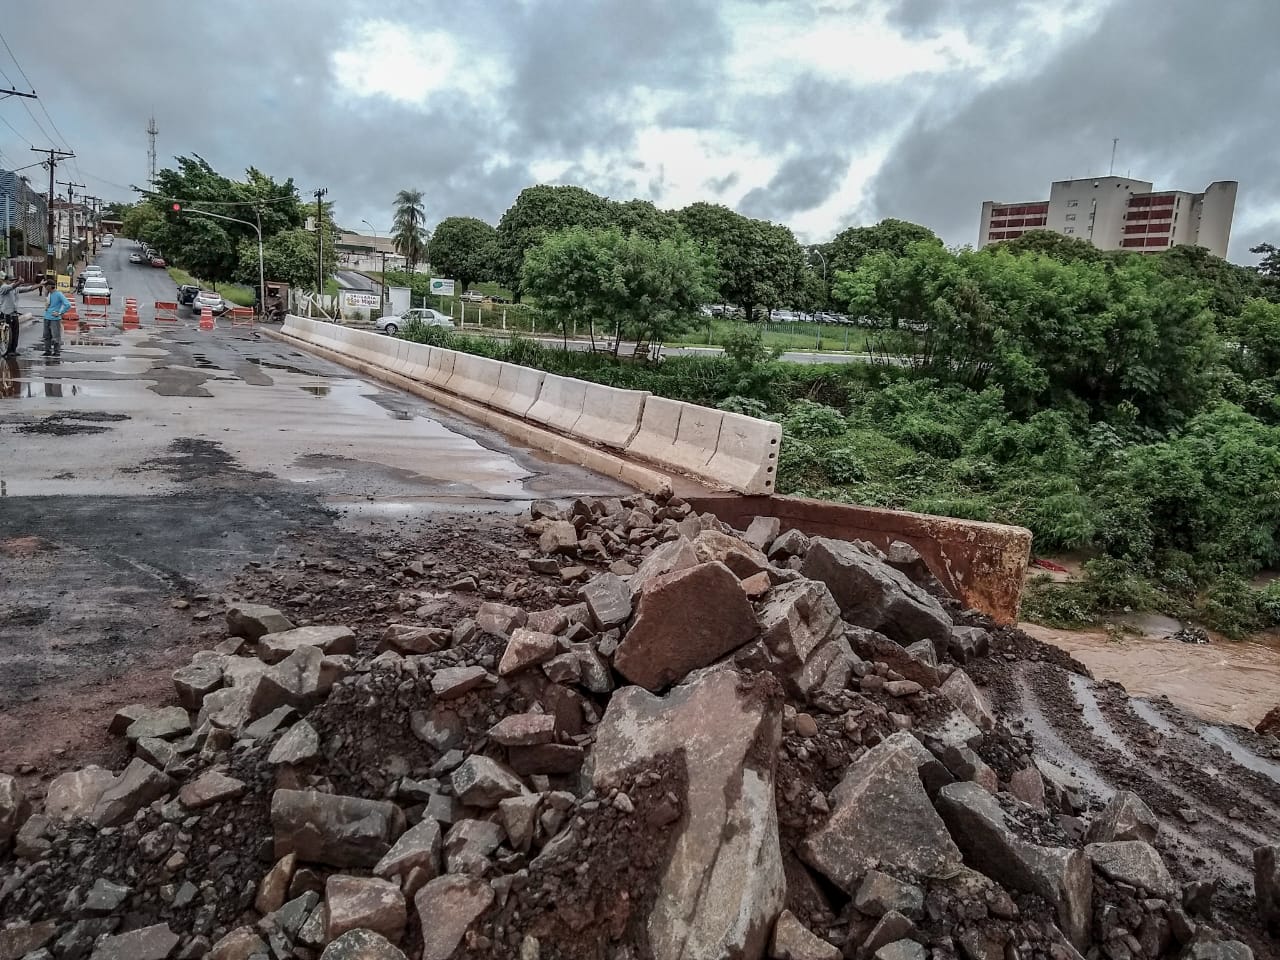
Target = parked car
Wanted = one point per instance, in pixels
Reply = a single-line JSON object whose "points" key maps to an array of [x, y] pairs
{"points": [[157, 261], [497, 298], [106, 241], [472, 296], [425, 315], [96, 286], [135, 257], [187, 293], [207, 298]]}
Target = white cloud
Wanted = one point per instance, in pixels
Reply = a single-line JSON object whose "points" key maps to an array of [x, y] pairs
{"points": [[388, 60]]}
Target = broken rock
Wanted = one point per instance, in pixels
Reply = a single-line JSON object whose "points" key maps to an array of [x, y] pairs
{"points": [[879, 893], [1125, 817], [798, 618], [364, 903], [254, 621], [482, 782], [418, 849], [608, 597], [723, 886], [149, 943], [523, 729], [336, 830], [209, 788], [1134, 862], [274, 647], [164, 723], [527, 648], [792, 940], [362, 945], [685, 620], [195, 681], [138, 785], [447, 906], [1060, 875], [500, 618], [299, 745], [872, 594], [881, 816], [15, 808], [968, 699], [1266, 885]]}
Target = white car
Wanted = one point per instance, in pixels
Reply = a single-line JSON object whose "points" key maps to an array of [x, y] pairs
{"points": [[106, 241], [425, 315], [207, 298], [96, 286]]}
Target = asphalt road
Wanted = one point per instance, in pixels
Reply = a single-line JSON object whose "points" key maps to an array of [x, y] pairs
{"points": [[152, 465]]}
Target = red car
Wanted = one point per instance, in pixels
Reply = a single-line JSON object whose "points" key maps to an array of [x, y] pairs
{"points": [[157, 261]]}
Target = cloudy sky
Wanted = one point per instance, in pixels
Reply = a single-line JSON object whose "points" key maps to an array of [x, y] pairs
{"points": [[816, 113]]}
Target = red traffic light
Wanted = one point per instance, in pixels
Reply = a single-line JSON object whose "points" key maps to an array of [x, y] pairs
{"points": [[177, 207]]}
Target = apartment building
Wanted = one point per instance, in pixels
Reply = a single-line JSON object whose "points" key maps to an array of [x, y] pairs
{"points": [[1119, 213], [22, 212]]}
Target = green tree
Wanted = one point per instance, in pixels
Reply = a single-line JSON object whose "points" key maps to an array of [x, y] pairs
{"points": [[289, 257], [538, 212], [140, 219], [642, 217], [1057, 246], [463, 248], [633, 285], [1269, 265], [847, 249], [757, 263], [408, 228]]}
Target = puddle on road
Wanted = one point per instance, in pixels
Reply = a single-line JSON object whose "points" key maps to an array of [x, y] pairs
{"points": [[1221, 681]]}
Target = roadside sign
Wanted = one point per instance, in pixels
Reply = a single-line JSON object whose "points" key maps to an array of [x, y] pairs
{"points": [[359, 300], [442, 288]]}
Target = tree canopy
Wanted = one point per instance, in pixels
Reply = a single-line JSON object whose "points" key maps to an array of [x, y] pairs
{"points": [[538, 212], [463, 248], [847, 249], [409, 228]]}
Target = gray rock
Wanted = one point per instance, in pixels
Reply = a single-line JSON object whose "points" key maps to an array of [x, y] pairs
{"points": [[872, 645], [893, 927], [500, 618], [253, 621], [418, 849], [968, 643], [328, 639], [685, 620], [1125, 817], [1266, 885], [792, 940], [900, 950], [523, 729], [1209, 947], [469, 844], [105, 897], [227, 708], [15, 808], [209, 788], [670, 557], [239, 944], [872, 594], [299, 680], [1134, 862], [195, 681], [527, 648], [158, 753], [362, 945], [137, 786], [561, 536], [163, 723], [291, 917], [32, 842], [300, 745], [335, 830], [546, 758], [25, 938], [447, 906], [968, 699], [482, 782], [453, 682], [75, 793], [723, 884], [415, 638], [367, 903], [796, 619], [762, 531], [519, 817], [879, 893], [793, 543], [439, 727], [156, 942], [124, 717], [881, 816], [1060, 875], [608, 597]]}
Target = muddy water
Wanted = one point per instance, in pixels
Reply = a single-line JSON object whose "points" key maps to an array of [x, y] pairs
{"points": [[1222, 681]]}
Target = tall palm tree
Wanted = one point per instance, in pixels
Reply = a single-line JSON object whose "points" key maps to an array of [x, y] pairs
{"points": [[409, 234]]}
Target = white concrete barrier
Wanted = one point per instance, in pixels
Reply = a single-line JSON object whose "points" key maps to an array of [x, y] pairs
{"points": [[559, 403], [440, 368], [475, 378], [746, 457], [610, 416], [657, 434], [418, 361], [680, 436], [518, 389]]}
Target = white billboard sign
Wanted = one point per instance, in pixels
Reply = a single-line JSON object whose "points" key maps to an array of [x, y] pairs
{"points": [[443, 288]]}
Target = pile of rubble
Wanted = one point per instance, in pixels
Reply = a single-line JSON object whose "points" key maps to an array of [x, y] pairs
{"points": [[674, 740]]}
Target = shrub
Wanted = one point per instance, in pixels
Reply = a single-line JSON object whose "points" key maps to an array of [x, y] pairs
{"points": [[812, 421]]}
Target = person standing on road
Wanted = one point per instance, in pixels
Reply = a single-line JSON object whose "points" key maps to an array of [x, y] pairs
{"points": [[9, 290], [53, 311]]}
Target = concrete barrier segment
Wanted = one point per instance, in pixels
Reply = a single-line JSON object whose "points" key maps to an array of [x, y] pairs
{"points": [[559, 403], [518, 389], [475, 378], [610, 416], [746, 457]]}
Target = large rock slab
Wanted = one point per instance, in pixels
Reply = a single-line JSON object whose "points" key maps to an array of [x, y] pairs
{"points": [[366, 903], [670, 557], [1134, 862], [881, 817], [336, 830], [873, 594], [685, 620], [447, 906], [1062, 876], [254, 620], [328, 639], [149, 943], [138, 785], [723, 886]]}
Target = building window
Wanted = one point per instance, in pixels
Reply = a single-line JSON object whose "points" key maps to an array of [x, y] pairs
{"points": [[1068, 229], [1071, 216], [1073, 203]]}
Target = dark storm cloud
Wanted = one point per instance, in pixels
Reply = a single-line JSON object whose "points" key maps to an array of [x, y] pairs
{"points": [[1187, 87], [801, 183]]}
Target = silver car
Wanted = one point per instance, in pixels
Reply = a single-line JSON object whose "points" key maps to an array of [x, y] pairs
{"points": [[425, 315], [207, 298]]}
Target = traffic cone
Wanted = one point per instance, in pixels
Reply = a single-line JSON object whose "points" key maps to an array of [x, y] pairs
{"points": [[131, 320], [206, 319]]}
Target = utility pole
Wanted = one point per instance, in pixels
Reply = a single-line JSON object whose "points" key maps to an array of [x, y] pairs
{"points": [[6, 93], [52, 163], [320, 195], [152, 130], [71, 219], [97, 220]]}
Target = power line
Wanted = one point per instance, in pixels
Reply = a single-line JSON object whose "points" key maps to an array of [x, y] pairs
{"points": [[15, 130], [17, 64]]}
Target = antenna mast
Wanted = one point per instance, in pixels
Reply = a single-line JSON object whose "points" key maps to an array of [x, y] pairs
{"points": [[151, 151]]}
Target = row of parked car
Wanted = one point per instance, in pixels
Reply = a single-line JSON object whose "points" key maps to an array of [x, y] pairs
{"points": [[92, 282], [192, 296], [777, 316], [147, 255]]}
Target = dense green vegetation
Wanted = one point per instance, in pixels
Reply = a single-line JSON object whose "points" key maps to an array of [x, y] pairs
{"points": [[1123, 407]]}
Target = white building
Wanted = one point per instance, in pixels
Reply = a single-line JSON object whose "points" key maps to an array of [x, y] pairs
{"points": [[1119, 213]]}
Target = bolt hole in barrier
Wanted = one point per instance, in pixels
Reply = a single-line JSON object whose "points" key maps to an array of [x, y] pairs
{"points": [[727, 450]]}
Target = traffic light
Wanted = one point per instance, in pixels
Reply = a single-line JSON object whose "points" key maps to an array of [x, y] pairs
{"points": [[177, 208]]}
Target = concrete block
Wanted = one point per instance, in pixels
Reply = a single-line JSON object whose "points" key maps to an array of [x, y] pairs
{"points": [[518, 389], [659, 422], [475, 378], [417, 361], [559, 403], [610, 416], [746, 457], [441, 367]]}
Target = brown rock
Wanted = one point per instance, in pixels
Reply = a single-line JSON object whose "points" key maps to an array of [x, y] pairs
{"points": [[447, 906], [685, 620], [417, 850], [137, 786], [968, 699], [482, 782], [519, 816], [148, 943], [608, 598], [15, 808], [364, 903], [1270, 723], [240, 944], [414, 638], [873, 646], [525, 649], [274, 647], [548, 621], [668, 558], [756, 585], [546, 758], [762, 531], [274, 888], [796, 620], [500, 618], [561, 536], [254, 621], [1028, 786], [1125, 817], [209, 788], [793, 941], [362, 945], [453, 682], [723, 884], [523, 729], [336, 830]]}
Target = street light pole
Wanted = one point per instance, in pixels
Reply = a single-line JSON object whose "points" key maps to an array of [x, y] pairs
{"points": [[262, 283], [385, 298]]}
